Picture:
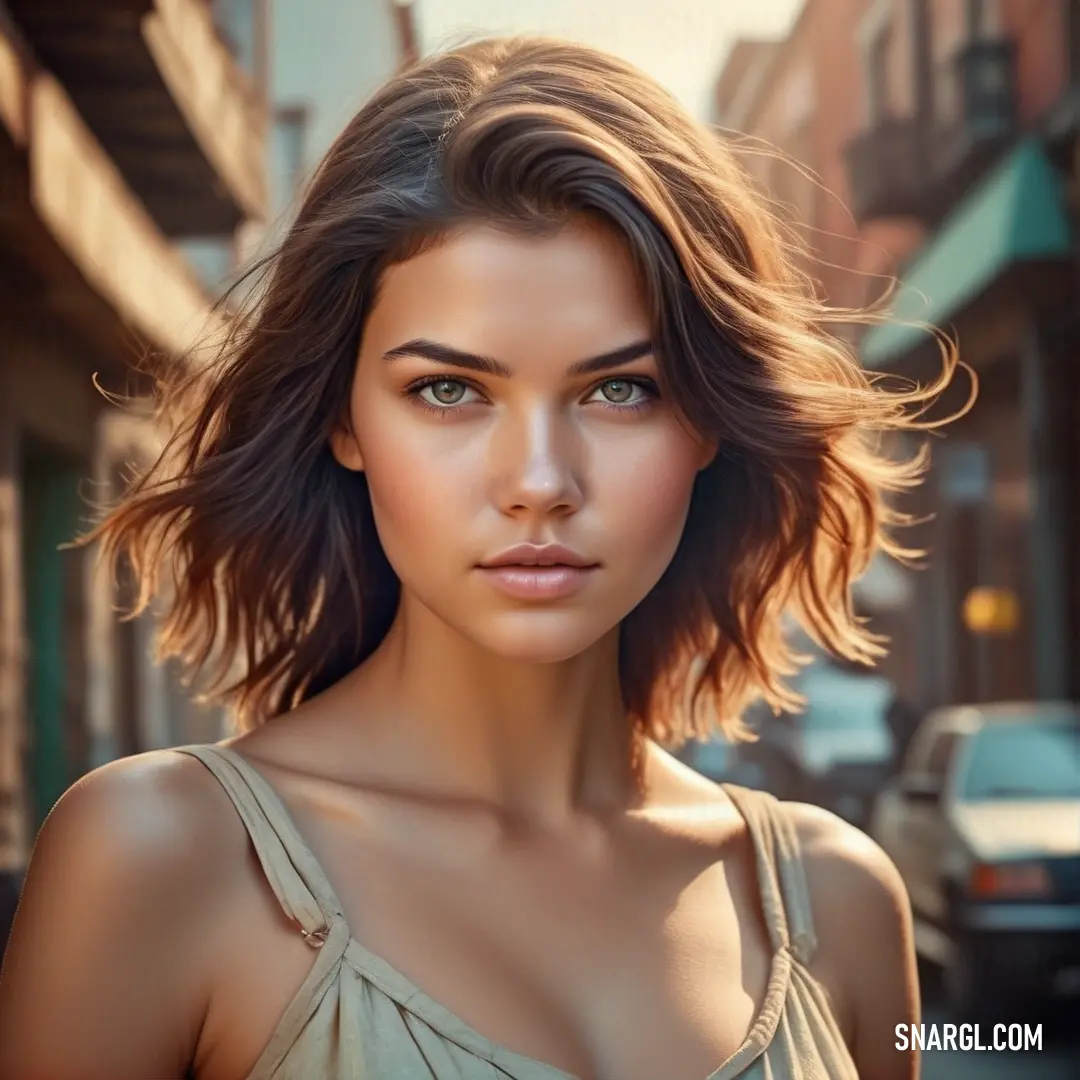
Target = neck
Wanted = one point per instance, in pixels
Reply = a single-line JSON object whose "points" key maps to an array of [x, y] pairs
{"points": [[539, 742]]}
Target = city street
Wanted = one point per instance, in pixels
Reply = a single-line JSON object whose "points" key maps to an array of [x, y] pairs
{"points": [[829, 250], [1058, 1060]]}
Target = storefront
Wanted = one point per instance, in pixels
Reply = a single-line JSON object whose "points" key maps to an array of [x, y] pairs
{"points": [[999, 275]]}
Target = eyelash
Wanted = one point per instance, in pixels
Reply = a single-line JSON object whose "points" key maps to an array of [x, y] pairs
{"points": [[652, 392]]}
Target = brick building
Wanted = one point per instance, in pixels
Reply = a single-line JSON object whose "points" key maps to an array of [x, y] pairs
{"points": [[944, 135]]}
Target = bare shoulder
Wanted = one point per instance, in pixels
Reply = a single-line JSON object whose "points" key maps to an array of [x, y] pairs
{"points": [[150, 819], [865, 955], [147, 843], [843, 864], [129, 877]]}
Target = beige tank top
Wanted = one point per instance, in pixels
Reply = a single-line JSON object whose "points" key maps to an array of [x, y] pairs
{"points": [[356, 1018]]}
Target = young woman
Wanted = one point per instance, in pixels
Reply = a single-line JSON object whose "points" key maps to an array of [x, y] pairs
{"points": [[531, 439]]}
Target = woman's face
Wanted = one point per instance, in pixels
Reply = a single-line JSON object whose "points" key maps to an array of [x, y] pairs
{"points": [[529, 485]]}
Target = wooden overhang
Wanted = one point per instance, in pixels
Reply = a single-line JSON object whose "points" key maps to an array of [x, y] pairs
{"points": [[78, 251], [159, 88]]}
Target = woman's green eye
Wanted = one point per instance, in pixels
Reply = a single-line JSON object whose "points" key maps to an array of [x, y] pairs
{"points": [[622, 391], [618, 390], [447, 391]]}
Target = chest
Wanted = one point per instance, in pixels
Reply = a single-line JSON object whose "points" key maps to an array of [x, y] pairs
{"points": [[616, 978], [588, 975], [648, 959]]}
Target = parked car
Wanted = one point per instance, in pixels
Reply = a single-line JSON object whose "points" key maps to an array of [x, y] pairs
{"points": [[983, 823], [838, 752]]}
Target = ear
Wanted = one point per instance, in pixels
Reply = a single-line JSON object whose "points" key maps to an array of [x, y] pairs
{"points": [[345, 448]]}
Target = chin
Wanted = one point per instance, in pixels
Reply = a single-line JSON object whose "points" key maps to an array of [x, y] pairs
{"points": [[539, 636]]}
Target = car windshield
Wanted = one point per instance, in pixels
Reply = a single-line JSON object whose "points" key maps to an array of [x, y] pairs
{"points": [[1023, 761]]}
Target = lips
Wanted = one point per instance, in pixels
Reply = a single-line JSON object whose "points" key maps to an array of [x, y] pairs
{"points": [[537, 555], [535, 572]]}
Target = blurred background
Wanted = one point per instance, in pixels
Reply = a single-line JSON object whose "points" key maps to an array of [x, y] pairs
{"points": [[150, 148]]}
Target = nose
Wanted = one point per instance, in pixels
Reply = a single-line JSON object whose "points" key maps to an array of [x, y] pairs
{"points": [[536, 461]]}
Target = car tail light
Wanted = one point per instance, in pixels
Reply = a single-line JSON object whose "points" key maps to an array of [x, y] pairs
{"points": [[1004, 880]]}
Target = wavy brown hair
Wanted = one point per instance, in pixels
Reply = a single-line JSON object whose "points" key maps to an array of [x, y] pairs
{"points": [[276, 582]]}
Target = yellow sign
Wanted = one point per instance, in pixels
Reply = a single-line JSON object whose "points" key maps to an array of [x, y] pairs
{"points": [[991, 611]]}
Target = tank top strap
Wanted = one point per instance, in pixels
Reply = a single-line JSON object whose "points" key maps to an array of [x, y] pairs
{"points": [[785, 897], [298, 882]]}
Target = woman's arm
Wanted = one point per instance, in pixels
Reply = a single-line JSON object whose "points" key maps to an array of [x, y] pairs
{"points": [[866, 952], [108, 968]]}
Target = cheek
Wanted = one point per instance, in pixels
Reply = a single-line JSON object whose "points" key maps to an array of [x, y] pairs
{"points": [[423, 486], [645, 490]]}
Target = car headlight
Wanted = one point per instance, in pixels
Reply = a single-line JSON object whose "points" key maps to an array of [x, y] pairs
{"points": [[1009, 880]]}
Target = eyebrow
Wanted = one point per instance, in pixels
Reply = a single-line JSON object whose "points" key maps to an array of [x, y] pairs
{"points": [[446, 354]]}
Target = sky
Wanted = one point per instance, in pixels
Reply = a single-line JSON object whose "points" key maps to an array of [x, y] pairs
{"points": [[682, 43]]}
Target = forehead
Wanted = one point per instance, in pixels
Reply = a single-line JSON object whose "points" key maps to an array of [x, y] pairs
{"points": [[482, 287]]}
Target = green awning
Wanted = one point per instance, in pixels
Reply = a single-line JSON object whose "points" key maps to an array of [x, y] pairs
{"points": [[1015, 215]]}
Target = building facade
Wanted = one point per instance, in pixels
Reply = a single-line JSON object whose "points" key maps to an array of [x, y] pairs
{"points": [[944, 136], [327, 58], [148, 148], [127, 128]]}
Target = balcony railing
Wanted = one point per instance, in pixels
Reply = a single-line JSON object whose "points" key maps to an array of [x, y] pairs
{"points": [[167, 101], [884, 168], [104, 231], [84, 246], [980, 89]]}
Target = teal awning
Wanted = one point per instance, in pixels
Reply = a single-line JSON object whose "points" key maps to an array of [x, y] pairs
{"points": [[1015, 215]]}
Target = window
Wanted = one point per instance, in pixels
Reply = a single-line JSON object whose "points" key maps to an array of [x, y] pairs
{"points": [[243, 26], [288, 150], [941, 755], [950, 33], [877, 74], [235, 23], [931, 754], [1024, 761], [876, 40]]}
